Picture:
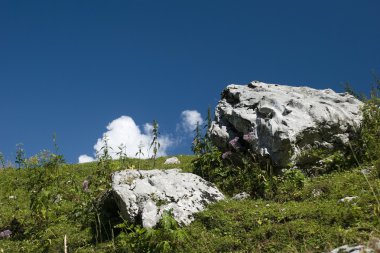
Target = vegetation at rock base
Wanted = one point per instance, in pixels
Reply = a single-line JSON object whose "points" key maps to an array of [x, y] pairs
{"points": [[45, 200], [308, 218]]}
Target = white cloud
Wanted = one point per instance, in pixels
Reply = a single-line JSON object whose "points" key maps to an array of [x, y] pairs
{"points": [[85, 159], [124, 131], [190, 118]]}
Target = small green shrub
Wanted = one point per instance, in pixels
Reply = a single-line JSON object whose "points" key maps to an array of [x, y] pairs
{"points": [[155, 143], [290, 185], [20, 155], [122, 154], [2, 160], [318, 161], [370, 130], [44, 185], [167, 236]]}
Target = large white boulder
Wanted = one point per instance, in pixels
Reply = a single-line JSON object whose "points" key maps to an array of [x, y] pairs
{"points": [[143, 196], [281, 121]]}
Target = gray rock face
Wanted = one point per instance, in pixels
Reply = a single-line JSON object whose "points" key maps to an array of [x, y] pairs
{"points": [[281, 121], [143, 196]]}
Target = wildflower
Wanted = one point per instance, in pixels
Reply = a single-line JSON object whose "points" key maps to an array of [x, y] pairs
{"points": [[235, 143], [5, 234], [85, 185], [249, 137], [226, 154]]}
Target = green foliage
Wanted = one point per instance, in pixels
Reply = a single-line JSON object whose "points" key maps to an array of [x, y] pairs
{"points": [[208, 162], [71, 210], [365, 146], [44, 186], [208, 165], [122, 153], [155, 144], [101, 178], [232, 171], [100, 183], [196, 145], [318, 161], [244, 172], [20, 155], [201, 143], [370, 130], [2, 160], [165, 237], [312, 223], [348, 88], [290, 183]]}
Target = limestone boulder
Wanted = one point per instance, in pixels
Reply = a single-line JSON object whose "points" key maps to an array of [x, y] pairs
{"points": [[280, 121], [143, 196], [172, 160]]}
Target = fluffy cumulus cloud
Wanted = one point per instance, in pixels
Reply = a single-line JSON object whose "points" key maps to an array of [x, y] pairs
{"points": [[85, 159], [190, 118], [125, 131]]}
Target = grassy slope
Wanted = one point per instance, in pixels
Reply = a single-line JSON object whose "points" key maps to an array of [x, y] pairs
{"points": [[295, 222]]}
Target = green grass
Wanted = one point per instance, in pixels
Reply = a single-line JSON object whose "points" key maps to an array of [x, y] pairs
{"points": [[308, 224], [294, 221]]}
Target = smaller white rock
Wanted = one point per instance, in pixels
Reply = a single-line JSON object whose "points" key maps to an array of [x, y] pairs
{"points": [[354, 249], [241, 196], [365, 171], [12, 197], [172, 160], [316, 193], [347, 199]]}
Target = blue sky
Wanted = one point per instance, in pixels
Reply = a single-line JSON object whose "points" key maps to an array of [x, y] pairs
{"points": [[72, 67]]}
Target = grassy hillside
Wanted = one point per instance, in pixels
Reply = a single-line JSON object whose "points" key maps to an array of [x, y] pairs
{"points": [[305, 219], [325, 199]]}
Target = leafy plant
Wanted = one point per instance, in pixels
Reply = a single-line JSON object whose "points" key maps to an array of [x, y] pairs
{"points": [[140, 153], [348, 88], [20, 155], [290, 184], [43, 181], [370, 130], [103, 169], [318, 161], [2, 160], [196, 145], [167, 236], [155, 143], [99, 187], [122, 153]]}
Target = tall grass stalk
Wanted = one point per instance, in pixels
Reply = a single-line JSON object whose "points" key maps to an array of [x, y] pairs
{"points": [[20, 155], [155, 143], [2, 160]]}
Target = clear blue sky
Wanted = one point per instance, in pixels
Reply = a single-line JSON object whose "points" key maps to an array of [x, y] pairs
{"points": [[73, 66]]}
